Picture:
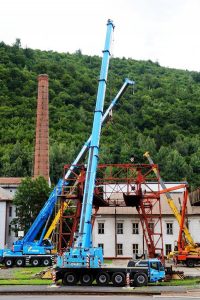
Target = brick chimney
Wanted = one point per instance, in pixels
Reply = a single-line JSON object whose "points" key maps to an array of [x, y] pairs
{"points": [[41, 158]]}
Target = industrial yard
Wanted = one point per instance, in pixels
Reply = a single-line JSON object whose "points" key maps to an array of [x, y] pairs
{"points": [[98, 198]]}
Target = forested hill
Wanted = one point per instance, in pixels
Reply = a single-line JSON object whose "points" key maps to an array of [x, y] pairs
{"points": [[161, 116]]}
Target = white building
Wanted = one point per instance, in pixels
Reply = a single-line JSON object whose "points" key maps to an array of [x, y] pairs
{"points": [[8, 187], [119, 232]]}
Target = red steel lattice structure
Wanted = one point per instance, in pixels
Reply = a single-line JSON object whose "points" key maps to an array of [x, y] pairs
{"points": [[72, 194], [41, 157], [136, 186], [123, 185]]}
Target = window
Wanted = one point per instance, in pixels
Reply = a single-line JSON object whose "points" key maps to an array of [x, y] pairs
{"points": [[119, 249], [9, 230], [16, 212], [16, 232], [142, 263], [151, 227], [169, 228], [154, 265], [120, 228], [168, 248], [135, 248], [100, 228], [135, 228], [101, 246], [10, 211]]}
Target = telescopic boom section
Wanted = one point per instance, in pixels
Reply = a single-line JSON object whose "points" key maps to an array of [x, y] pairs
{"points": [[171, 202], [86, 213]]}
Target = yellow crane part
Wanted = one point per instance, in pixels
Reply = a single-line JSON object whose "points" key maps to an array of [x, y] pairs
{"points": [[57, 217], [171, 203], [55, 221]]}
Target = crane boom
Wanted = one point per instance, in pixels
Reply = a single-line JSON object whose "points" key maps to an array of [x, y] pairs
{"points": [[86, 213], [83, 253], [171, 202]]}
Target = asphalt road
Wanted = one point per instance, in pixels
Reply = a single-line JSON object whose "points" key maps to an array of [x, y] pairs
{"points": [[87, 297]]}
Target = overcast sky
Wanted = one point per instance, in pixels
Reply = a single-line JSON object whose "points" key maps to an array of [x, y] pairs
{"points": [[166, 31]]}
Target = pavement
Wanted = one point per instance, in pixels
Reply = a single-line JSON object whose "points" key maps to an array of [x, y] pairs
{"points": [[188, 272], [96, 290]]}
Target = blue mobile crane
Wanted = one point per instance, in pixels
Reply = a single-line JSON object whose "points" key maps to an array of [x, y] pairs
{"points": [[83, 262], [38, 252]]}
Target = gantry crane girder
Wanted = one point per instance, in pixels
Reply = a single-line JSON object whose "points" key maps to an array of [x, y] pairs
{"points": [[121, 185]]}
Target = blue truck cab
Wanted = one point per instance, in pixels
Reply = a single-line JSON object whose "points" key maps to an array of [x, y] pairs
{"points": [[156, 270]]}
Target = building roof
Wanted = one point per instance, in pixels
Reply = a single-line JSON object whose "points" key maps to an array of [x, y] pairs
{"points": [[177, 196], [10, 180], [5, 195]]}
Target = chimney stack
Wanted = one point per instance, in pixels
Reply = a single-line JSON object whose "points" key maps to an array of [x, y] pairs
{"points": [[41, 161]]}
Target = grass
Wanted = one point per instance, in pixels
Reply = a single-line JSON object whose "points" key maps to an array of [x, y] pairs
{"points": [[25, 276], [178, 282], [26, 273]]}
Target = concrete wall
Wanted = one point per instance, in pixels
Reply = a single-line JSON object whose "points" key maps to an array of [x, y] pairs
{"points": [[194, 228], [7, 238], [2, 223], [109, 239], [10, 236]]}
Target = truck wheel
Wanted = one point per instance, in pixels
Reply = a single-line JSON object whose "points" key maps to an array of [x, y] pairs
{"points": [[35, 262], [102, 278], [9, 262], [46, 262], [118, 279], [69, 279], [140, 279], [86, 279], [190, 263], [20, 262]]}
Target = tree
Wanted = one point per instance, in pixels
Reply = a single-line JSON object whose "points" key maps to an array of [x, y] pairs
{"points": [[29, 199], [173, 165], [163, 112], [17, 43]]}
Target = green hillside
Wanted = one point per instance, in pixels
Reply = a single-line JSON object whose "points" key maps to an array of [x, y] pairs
{"points": [[161, 116]]}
